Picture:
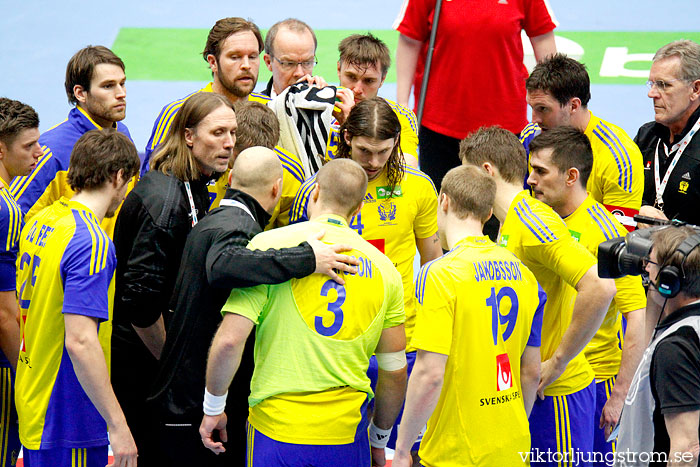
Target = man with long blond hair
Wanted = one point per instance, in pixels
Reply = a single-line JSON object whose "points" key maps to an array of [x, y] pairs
{"points": [[149, 238]]}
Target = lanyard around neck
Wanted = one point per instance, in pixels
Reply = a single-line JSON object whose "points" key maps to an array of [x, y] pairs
{"points": [[679, 147], [237, 204], [192, 207]]}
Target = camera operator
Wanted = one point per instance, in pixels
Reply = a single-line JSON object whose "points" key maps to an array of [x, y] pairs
{"points": [[662, 410]]}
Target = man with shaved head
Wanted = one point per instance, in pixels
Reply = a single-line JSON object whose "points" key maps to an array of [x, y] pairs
{"points": [[258, 126], [313, 343], [215, 261]]}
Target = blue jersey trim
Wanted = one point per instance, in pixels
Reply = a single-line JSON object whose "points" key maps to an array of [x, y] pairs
{"points": [[292, 166], [626, 157], [418, 173], [603, 222], [537, 223]]}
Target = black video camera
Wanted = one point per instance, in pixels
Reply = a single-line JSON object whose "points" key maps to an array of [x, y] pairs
{"points": [[624, 256]]}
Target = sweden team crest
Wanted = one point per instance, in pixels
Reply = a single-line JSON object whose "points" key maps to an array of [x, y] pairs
{"points": [[387, 211]]}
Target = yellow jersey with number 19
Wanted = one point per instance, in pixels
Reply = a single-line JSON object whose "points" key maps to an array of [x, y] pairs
{"points": [[591, 224], [541, 240], [479, 305]]}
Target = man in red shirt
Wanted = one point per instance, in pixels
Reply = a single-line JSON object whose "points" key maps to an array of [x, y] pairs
{"points": [[477, 76]]}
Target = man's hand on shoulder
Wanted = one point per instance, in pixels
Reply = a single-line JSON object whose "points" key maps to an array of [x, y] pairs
{"points": [[329, 260]]}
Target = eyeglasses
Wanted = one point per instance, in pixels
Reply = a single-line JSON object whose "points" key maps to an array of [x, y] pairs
{"points": [[660, 84], [646, 261], [287, 65]]}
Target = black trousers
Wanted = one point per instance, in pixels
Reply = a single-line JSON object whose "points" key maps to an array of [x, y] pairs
{"points": [[133, 371], [438, 154], [180, 445]]}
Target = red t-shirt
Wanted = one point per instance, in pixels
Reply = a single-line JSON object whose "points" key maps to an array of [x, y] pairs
{"points": [[477, 75]]}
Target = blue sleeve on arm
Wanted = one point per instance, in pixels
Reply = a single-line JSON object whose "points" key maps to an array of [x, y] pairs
{"points": [[87, 268], [536, 330], [8, 271]]}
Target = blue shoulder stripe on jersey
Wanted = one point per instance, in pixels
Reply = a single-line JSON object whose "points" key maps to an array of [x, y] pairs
{"points": [[164, 119], [292, 166], [14, 219], [530, 129], [410, 116], [419, 290], [301, 201], [420, 282], [98, 258], [261, 96], [608, 218], [601, 134], [298, 199], [626, 157], [19, 184], [537, 222], [410, 170], [603, 221], [521, 215]]}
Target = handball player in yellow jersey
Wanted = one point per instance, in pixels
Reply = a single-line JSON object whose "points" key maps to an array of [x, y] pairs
{"points": [[561, 161], [561, 422], [478, 339], [314, 338]]}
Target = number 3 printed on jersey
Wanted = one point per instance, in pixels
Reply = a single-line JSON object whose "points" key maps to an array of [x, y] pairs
{"points": [[333, 307], [497, 317]]}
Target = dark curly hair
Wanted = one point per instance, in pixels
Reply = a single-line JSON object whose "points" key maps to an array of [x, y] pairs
{"points": [[374, 118]]}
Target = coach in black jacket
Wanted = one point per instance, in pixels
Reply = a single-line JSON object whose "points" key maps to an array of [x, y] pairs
{"points": [[214, 261], [671, 143], [149, 237]]}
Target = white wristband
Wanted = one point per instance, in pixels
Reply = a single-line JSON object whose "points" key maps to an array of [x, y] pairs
{"points": [[378, 438], [214, 405]]}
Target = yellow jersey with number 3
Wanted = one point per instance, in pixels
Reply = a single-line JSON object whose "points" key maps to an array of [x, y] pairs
{"points": [[314, 338], [391, 222]]}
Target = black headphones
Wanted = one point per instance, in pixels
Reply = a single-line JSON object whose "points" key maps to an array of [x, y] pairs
{"points": [[670, 279]]}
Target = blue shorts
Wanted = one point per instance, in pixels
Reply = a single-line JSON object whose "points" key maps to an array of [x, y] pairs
{"points": [[373, 374], [602, 394], [9, 427], [266, 452], [561, 428], [66, 457]]}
